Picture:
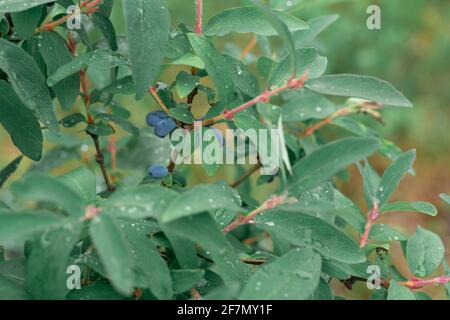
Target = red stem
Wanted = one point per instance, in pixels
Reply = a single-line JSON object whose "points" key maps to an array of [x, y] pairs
{"points": [[199, 17], [374, 214], [419, 283], [263, 97]]}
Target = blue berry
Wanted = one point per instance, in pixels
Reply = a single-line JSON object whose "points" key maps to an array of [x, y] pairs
{"points": [[153, 118], [158, 171], [164, 127]]}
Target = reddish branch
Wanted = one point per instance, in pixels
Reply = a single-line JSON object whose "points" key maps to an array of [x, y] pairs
{"points": [[373, 215], [366, 107], [263, 97], [248, 48], [416, 283], [158, 99], [87, 7], [269, 204], [199, 17]]}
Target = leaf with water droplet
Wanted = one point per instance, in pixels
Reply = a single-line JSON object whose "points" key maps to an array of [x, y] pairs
{"points": [[293, 276], [424, 252], [249, 19], [147, 31], [28, 82], [199, 199], [114, 252]]}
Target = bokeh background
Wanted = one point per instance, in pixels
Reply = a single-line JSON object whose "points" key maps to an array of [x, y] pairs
{"points": [[411, 51]]}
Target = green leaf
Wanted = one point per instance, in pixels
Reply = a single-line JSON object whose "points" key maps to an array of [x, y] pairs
{"points": [[325, 162], [393, 174], [399, 292], [139, 202], [81, 181], [219, 66], [48, 261], [151, 268], [10, 290], [101, 59], [199, 199], [184, 280], [20, 5], [26, 22], [383, 232], [416, 206], [306, 105], [202, 229], [371, 182], [189, 59], [363, 87], [186, 83], [316, 26], [28, 82], [249, 19], [305, 230], [307, 59], [323, 291], [424, 252], [107, 28], [55, 53], [294, 276], [181, 113], [184, 249], [124, 86], [41, 187], [72, 120], [6, 172], [284, 33], [96, 291], [148, 27], [21, 225], [445, 197], [20, 123], [114, 252], [120, 121], [100, 129]]}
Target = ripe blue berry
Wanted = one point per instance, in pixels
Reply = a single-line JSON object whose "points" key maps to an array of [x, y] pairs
{"points": [[158, 171], [165, 127], [153, 118]]}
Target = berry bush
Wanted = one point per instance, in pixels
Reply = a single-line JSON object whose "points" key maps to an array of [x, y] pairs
{"points": [[105, 211]]}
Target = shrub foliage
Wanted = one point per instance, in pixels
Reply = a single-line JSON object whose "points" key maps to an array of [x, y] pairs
{"points": [[130, 234]]}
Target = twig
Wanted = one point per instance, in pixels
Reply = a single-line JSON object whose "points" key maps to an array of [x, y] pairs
{"points": [[348, 283], [365, 107], [87, 7], [263, 97], [199, 17], [248, 48], [269, 204], [373, 215], [256, 262], [420, 283], [158, 99], [100, 158], [412, 284], [246, 175]]}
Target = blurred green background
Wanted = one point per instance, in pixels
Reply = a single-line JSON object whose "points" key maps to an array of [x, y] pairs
{"points": [[411, 51]]}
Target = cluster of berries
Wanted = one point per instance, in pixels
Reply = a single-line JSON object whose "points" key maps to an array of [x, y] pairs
{"points": [[163, 124]]}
